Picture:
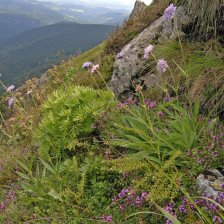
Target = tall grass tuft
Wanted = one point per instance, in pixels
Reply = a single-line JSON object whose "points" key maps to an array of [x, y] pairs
{"points": [[207, 14]]}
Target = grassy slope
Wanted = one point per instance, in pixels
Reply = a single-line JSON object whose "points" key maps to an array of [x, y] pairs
{"points": [[68, 72], [199, 63]]}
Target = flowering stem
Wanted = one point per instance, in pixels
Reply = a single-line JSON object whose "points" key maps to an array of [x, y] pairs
{"points": [[142, 99], [3, 84], [103, 80], [5, 133], [3, 120], [95, 82]]}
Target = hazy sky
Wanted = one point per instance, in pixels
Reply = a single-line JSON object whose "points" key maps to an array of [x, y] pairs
{"points": [[129, 3], [112, 3]]}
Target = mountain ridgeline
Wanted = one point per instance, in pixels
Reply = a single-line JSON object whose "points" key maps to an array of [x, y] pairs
{"points": [[11, 25], [32, 52]]}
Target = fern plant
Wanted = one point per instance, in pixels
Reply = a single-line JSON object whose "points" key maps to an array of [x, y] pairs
{"points": [[68, 116]]}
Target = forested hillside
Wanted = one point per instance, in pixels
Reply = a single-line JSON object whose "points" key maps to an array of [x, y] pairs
{"points": [[11, 25], [31, 53]]}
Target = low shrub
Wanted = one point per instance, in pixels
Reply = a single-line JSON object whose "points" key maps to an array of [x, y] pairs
{"points": [[68, 116]]}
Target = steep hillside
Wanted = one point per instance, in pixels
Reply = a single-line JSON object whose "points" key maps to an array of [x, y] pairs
{"points": [[130, 138], [31, 53]]}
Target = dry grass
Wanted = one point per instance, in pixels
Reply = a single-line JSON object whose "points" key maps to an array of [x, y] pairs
{"points": [[132, 27], [207, 14], [208, 89]]}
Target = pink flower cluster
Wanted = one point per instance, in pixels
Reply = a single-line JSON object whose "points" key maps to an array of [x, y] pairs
{"points": [[213, 152], [128, 197], [10, 88], [10, 196], [149, 104], [148, 50], [126, 103], [107, 219], [170, 12], [211, 208], [93, 67], [162, 65]]}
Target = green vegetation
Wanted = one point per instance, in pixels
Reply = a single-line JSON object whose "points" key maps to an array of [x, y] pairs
{"points": [[72, 153], [68, 115]]}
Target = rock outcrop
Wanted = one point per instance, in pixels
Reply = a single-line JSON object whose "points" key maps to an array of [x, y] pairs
{"points": [[210, 184], [130, 68], [138, 8]]}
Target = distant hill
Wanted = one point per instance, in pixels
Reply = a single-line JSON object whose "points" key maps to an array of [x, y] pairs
{"points": [[32, 9], [54, 12], [32, 52], [82, 13], [11, 25]]}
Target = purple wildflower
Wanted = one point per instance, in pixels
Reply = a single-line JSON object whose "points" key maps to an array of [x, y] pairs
{"points": [[162, 66], [182, 209], [87, 64], [144, 195], [11, 102], [150, 104], [114, 200], [123, 193], [169, 209], [94, 68], [148, 50], [198, 201], [2, 206], [119, 55], [221, 195], [167, 98], [217, 219], [185, 201], [160, 114], [169, 222], [11, 195], [107, 218], [122, 207], [10, 88], [170, 12], [213, 207], [126, 103], [138, 201]]}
